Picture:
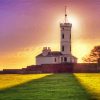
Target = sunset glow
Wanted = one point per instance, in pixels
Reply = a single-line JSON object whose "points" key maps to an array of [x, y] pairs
{"points": [[75, 21], [26, 26]]}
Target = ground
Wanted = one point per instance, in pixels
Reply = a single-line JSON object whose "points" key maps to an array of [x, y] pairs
{"points": [[50, 87]]}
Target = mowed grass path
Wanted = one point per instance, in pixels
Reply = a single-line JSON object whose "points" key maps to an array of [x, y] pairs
{"points": [[50, 87]]}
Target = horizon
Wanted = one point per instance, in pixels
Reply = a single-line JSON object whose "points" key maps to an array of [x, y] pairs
{"points": [[27, 26]]}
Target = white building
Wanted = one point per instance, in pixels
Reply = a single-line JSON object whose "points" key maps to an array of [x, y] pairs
{"points": [[64, 55]]}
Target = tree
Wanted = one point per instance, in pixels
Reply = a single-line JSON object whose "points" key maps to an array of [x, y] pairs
{"points": [[94, 55]]}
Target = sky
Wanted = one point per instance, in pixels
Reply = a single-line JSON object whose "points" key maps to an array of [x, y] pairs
{"points": [[26, 26]]}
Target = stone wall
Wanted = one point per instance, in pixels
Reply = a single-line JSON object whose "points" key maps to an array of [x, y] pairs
{"points": [[56, 68], [86, 67]]}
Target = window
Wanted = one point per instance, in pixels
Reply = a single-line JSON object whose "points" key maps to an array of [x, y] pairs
{"points": [[55, 59], [62, 48], [62, 36], [63, 28], [61, 59], [70, 36], [65, 59], [70, 48]]}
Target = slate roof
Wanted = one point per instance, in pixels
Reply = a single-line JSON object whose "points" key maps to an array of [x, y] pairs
{"points": [[54, 54], [51, 54]]}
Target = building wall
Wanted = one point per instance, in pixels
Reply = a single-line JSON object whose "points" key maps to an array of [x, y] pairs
{"points": [[47, 60], [65, 38], [70, 59], [55, 60], [66, 47]]}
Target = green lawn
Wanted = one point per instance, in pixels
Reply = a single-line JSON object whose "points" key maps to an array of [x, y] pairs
{"points": [[49, 87]]}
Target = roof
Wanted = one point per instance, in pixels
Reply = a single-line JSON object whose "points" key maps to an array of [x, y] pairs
{"points": [[51, 54], [54, 54]]}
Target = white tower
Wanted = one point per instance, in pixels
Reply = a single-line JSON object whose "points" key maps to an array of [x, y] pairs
{"points": [[65, 45], [64, 56]]}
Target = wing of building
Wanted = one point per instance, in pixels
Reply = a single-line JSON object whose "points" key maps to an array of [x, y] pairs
{"points": [[54, 57]]}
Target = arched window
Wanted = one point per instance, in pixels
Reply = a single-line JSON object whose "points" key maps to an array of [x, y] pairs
{"points": [[63, 28], [65, 59], [61, 59], [62, 48], [55, 59], [62, 36]]}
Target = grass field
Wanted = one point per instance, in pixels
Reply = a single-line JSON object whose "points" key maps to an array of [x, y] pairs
{"points": [[50, 87], [91, 82]]}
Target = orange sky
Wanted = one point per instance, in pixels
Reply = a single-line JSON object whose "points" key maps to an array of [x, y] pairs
{"points": [[28, 25]]}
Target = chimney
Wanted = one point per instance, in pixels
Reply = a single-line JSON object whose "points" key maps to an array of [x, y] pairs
{"points": [[45, 51], [49, 49]]}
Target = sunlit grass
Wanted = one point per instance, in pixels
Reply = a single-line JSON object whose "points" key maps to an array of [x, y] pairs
{"points": [[10, 80], [91, 82], [52, 87]]}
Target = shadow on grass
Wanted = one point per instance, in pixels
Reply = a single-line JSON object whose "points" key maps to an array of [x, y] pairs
{"points": [[52, 87]]}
